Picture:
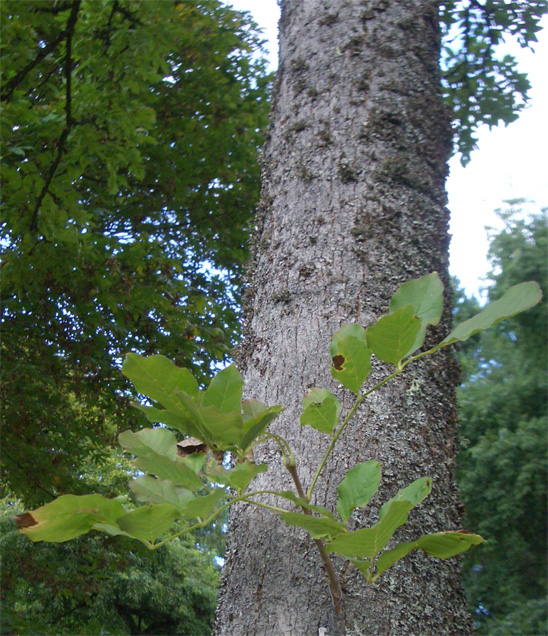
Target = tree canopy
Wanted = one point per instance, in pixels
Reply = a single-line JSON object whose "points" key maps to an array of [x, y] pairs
{"points": [[503, 414], [481, 85], [129, 173]]}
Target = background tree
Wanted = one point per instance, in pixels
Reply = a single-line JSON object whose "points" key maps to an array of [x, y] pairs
{"points": [[503, 414], [129, 172]]}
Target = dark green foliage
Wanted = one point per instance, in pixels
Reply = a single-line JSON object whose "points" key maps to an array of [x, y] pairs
{"points": [[93, 585], [503, 467], [130, 132], [481, 86]]}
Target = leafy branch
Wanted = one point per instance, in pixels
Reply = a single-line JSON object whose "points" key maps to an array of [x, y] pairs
{"points": [[192, 481], [67, 34]]}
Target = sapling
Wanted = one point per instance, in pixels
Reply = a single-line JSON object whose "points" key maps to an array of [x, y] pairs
{"points": [[186, 478]]}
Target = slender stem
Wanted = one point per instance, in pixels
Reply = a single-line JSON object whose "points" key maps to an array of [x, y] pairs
{"points": [[263, 505], [202, 524], [334, 585], [332, 445], [347, 419]]}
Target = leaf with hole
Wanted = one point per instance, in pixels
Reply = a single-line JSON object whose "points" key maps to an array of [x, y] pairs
{"points": [[68, 517], [350, 357]]}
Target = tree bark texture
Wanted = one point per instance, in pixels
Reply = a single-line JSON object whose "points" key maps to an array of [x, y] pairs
{"points": [[353, 204]]}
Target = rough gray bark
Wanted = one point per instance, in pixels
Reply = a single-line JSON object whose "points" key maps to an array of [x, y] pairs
{"points": [[353, 205]]}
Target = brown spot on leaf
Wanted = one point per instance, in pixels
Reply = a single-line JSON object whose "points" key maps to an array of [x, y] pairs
{"points": [[26, 520], [338, 362]]}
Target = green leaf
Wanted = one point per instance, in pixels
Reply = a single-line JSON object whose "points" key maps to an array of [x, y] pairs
{"points": [[68, 517], [321, 410], [176, 471], [515, 300], [239, 476], [317, 527], [357, 488], [426, 296], [150, 441], [150, 522], [158, 378], [201, 507], [442, 545], [219, 430], [368, 542], [157, 491], [414, 494], [225, 391], [251, 409], [255, 426], [179, 421], [393, 337], [350, 357]]}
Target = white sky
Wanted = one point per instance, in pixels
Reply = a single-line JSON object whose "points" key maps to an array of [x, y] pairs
{"points": [[510, 162]]}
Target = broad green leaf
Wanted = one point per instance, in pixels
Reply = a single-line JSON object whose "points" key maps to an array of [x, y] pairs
{"points": [[426, 296], [321, 410], [350, 357], [180, 421], [251, 409], [317, 527], [414, 494], [202, 506], [225, 391], [150, 441], [255, 426], [195, 461], [158, 378], [357, 488], [219, 430], [239, 476], [67, 517], [368, 542], [150, 522], [442, 545], [393, 337], [157, 491], [515, 300], [111, 529], [176, 471]]}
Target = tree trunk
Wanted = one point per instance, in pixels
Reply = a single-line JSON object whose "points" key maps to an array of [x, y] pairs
{"points": [[353, 205]]}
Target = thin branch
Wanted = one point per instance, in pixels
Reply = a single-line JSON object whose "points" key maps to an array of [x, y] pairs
{"points": [[14, 82], [68, 33], [334, 585]]}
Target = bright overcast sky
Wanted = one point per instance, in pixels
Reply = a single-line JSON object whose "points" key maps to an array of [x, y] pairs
{"points": [[510, 162]]}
